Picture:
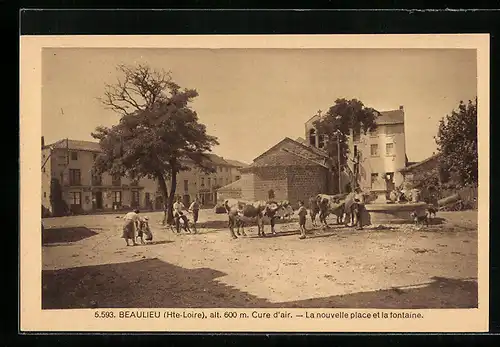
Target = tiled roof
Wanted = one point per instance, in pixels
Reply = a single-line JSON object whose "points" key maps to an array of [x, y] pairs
{"points": [[92, 146], [236, 163], [282, 158], [391, 117], [312, 149], [317, 153], [415, 165], [236, 185], [77, 145], [215, 159], [386, 117]]}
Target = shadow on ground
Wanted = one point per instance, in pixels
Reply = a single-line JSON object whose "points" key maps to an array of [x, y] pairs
{"points": [[436, 221], [62, 235], [214, 224], [152, 283]]}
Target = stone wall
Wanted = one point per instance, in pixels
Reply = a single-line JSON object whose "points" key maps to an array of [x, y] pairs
{"points": [[247, 186], [305, 182], [228, 194], [268, 178]]}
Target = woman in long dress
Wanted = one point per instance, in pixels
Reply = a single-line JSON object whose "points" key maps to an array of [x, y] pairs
{"points": [[130, 226]]}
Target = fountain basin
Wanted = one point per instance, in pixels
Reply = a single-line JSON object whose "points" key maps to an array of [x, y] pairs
{"points": [[381, 213]]}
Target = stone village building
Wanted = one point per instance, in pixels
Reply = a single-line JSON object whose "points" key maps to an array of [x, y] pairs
{"points": [[71, 163], [298, 169]]}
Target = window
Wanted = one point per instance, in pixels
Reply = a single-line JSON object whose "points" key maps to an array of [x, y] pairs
{"points": [[389, 176], [117, 197], [227, 169], [356, 135], [374, 178], [74, 177], [44, 194], [374, 150], [74, 155], [389, 149], [221, 181], [203, 182], [237, 177], [76, 198], [209, 181], [312, 137], [96, 179], [227, 181], [389, 129], [220, 168], [186, 185], [321, 141], [135, 198], [116, 180]]}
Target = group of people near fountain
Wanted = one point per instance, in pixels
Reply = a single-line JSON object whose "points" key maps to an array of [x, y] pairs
{"points": [[349, 209]]}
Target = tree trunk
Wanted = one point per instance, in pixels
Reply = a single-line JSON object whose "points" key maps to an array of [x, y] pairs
{"points": [[172, 194], [163, 188]]}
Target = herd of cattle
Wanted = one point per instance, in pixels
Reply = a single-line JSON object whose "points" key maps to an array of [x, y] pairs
{"points": [[346, 207]]}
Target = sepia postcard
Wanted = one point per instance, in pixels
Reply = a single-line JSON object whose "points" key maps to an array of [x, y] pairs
{"points": [[272, 183]]}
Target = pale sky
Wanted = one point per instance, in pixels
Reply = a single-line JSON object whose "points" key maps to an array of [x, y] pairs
{"points": [[251, 99]]}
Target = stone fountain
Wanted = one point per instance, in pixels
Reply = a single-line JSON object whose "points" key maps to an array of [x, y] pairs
{"points": [[381, 210]]}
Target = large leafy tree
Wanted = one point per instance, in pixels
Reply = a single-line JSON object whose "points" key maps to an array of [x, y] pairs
{"points": [[457, 143], [340, 120], [158, 134]]}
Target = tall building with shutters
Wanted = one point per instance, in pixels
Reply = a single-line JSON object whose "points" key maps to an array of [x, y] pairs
{"points": [[375, 158]]}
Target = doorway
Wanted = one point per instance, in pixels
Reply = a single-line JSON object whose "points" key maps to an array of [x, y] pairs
{"points": [[389, 183], [186, 200], [159, 203], [97, 200]]}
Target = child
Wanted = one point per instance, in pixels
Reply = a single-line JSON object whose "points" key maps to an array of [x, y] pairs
{"points": [[302, 212], [144, 229]]}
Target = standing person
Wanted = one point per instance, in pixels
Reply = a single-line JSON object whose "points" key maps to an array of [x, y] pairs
{"points": [[195, 209], [179, 214], [302, 212], [130, 226]]}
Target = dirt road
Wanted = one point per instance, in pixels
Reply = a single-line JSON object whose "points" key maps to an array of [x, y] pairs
{"points": [[86, 264]]}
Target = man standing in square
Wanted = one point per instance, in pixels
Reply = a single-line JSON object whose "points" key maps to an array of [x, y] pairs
{"points": [[195, 209]]}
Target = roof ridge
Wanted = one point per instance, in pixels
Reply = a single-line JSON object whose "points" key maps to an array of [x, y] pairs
{"points": [[304, 157]]}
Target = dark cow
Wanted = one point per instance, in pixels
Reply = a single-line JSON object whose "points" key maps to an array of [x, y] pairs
{"points": [[314, 210], [354, 204], [242, 212]]}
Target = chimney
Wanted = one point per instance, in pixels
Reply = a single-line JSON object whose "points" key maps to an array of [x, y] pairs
{"points": [[43, 141], [401, 108]]}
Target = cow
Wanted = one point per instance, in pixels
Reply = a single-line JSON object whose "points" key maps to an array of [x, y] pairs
{"points": [[285, 210], [330, 204], [354, 204], [314, 210], [241, 212]]}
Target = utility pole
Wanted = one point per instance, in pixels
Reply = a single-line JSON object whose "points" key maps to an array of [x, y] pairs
{"points": [[338, 157]]}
